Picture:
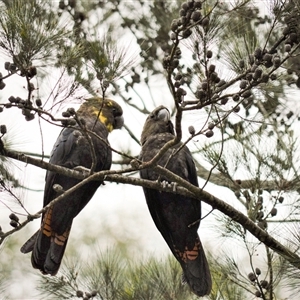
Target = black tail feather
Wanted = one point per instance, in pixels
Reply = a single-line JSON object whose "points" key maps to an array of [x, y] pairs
{"points": [[48, 252], [40, 251], [56, 253], [29, 245], [197, 275]]}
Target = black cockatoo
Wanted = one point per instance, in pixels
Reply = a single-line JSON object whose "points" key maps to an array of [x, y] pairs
{"points": [[175, 216], [73, 149]]}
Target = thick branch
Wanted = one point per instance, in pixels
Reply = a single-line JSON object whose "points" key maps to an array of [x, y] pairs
{"points": [[222, 180], [186, 189], [41, 164], [235, 215], [38, 214]]}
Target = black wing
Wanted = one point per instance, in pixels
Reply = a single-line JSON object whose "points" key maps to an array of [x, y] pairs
{"points": [[176, 217], [71, 150]]}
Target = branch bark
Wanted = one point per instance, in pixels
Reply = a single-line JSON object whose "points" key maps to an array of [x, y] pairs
{"points": [[221, 180], [185, 188]]}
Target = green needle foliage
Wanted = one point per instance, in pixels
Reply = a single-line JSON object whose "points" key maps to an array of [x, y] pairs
{"points": [[231, 69], [112, 275], [29, 31]]}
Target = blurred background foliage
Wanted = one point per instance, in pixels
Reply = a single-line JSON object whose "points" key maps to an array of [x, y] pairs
{"points": [[232, 65]]}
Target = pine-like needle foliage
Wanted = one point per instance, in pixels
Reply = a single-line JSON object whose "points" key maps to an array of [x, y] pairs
{"points": [[111, 276], [229, 69], [29, 31]]}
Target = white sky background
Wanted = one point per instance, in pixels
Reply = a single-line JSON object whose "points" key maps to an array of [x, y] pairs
{"points": [[120, 209]]}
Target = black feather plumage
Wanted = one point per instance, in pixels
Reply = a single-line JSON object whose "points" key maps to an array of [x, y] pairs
{"points": [[73, 149], [173, 214]]}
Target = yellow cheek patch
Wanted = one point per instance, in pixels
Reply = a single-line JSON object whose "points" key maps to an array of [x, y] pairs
{"points": [[109, 127], [104, 120]]}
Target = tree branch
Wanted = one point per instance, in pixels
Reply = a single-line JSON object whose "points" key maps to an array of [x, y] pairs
{"points": [[235, 215], [185, 188], [222, 180]]}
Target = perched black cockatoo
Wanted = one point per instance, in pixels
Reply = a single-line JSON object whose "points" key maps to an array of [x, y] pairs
{"points": [[175, 216], [73, 149]]}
